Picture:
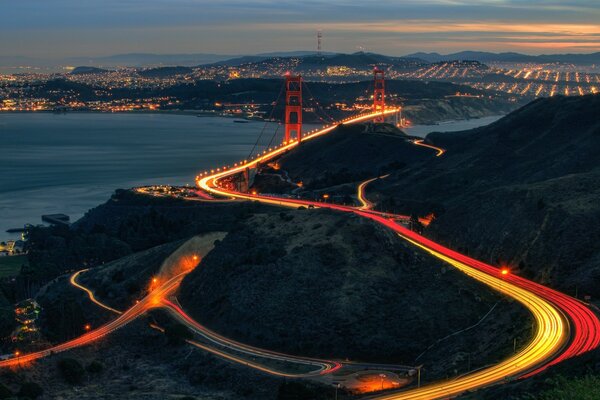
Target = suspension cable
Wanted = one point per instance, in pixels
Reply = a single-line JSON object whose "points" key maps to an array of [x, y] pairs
{"points": [[267, 121], [331, 119]]}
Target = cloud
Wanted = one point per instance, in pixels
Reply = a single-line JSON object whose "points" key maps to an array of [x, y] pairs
{"points": [[92, 27]]}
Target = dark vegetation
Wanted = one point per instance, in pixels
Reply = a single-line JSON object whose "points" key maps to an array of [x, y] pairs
{"points": [[71, 370], [295, 390], [336, 158], [66, 309], [574, 379], [322, 284], [30, 390], [177, 334], [127, 223], [524, 191]]}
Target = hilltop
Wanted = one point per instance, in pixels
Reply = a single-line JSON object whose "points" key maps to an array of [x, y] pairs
{"points": [[511, 57], [524, 190], [324, 284]]}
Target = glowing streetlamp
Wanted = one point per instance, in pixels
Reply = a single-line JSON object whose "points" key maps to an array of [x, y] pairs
{"points": [[382, 376]]}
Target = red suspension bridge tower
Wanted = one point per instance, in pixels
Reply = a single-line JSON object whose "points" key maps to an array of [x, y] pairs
{"points": [[293, 107], [379, 94]]}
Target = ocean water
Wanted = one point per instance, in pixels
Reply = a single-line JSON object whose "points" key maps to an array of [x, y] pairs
{"points": [[69, 163], [450, 126]]}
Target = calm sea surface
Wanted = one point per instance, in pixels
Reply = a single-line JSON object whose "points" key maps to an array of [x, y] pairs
{"points": [[450, 126], [69, 163]]}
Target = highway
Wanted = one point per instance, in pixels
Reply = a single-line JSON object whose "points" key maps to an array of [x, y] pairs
{"points": [[152, 300], [565, 327], [365, 204], [321, 366], [439, 150], [73, 281]]}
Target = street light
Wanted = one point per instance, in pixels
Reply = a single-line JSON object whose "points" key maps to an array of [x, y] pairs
{"points": [[504, 272], [382, 376]]}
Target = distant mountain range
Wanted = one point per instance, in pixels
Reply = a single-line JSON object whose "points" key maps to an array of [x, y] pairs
{"points": [[150, 60], [486, 57], [83, 70], [311, 61]]}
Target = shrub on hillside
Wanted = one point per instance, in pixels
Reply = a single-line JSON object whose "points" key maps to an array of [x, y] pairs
{"points": [[71, 370], [30, 390]]}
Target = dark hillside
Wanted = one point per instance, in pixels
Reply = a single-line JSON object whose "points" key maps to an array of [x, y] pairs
{"points": [[336, 158], [319, 283], [524, 190]]}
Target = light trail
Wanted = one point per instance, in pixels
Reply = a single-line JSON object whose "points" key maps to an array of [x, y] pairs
{"points": [[421, 142], [365, 204], [323, 366], [73, 281], [550, 343], [549, 338], [150, 301]]}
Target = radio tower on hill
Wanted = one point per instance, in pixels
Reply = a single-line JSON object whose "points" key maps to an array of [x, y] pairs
{"points": [[319, 38]]}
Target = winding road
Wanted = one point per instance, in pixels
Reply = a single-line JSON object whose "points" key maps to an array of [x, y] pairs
{"points": [[565, 327]]}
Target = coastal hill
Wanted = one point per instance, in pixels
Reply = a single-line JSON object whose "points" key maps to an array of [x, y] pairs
{"points": [[325, 284], [84, 70], [524, 191]]}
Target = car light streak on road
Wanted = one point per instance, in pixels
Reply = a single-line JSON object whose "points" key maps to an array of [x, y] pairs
{"points": [[549, 344], [73, 281], [550, 336], [585, 326], [365, 204], [323, 366], [150, 301], [421, 142]]}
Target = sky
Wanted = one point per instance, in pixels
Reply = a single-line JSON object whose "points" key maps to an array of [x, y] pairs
{"points": [[63, 28]]}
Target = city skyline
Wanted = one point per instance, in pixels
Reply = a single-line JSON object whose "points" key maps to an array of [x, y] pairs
{"points": [[40, 30]]}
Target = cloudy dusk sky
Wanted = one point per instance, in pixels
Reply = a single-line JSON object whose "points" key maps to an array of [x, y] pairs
{"points": [[59, 28]]}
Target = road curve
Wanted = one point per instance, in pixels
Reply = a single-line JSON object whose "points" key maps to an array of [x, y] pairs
{"points": [[73, 281], [150, 301], [365, 204], [557, 337], [322, 366], [421, 142], [558, 316]]}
